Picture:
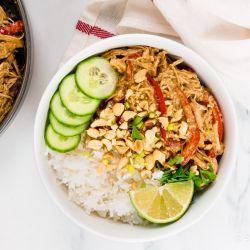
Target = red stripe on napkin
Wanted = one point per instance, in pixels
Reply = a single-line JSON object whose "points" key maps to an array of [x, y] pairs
{"points": [[93, 30]]}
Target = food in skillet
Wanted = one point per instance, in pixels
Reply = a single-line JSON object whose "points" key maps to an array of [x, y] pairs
{"points": [[11, 39], [152, 134]]}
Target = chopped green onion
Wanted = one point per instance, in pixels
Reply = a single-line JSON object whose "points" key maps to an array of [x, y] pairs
{"points": [[136, 121], [171, 127], [152, 115], [136, 135], [143, 184], [156, 139], [131, 170], [87, 154], [176, 160], [127, 105], [105, 161], [201, 181], [139, 125], [138, 159], [141, 155]]}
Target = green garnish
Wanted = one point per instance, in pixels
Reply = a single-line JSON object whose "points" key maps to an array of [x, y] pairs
{"points": [[131, 169], [87, 154], [105, 161], [151, 115], [176, 160], [127, 105], [138, 159], [139, 125], [136, 121], [136, 135], [171, 127], [205, 178], [201, 181], [143, 184], [156, 139], [181, 174], [141, 155]]}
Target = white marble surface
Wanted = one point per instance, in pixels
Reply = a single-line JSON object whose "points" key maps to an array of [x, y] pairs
{"points": [[29, 220]]}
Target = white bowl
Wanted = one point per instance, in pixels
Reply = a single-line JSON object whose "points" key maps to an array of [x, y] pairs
{"points": [[125, 232]]}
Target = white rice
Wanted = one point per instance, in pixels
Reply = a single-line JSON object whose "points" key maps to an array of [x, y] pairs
{"points": [[93, 191]]}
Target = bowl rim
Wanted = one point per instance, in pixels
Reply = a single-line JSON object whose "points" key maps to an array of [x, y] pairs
{"points": [[71, 63], [27, 71]]}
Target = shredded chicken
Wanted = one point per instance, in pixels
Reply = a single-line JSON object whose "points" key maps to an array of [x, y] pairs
{"points": [[190, 113]]}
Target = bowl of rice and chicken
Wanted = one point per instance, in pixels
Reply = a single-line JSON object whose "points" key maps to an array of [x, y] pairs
{"points": [[135, 141]]}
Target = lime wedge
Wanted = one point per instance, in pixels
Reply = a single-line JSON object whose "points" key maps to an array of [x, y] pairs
{"points": [[163, 204]]}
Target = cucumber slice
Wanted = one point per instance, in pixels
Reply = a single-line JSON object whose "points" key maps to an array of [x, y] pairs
{"points": [[96, 77], [60, 143], [65, 130], [74, 99], [63, 115]]}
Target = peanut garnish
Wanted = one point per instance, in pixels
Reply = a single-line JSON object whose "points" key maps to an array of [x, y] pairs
{"points": [[118, 108]]}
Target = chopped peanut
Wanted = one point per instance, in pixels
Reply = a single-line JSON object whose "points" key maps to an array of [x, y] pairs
{"points": [[129, 93], [107, 143], [159, 156], [94, 144], [140, 76], [123, 162], [144, 105], [108, 156], [121, 149], [120, 133], [123, 171], [145, 174], [130, 144], [128, 115], [143, 114], [92, 132], [164, 122], [133, 185], [138, 146], [102, 131], [99, 123], [107, 114], [124, 125], [183, 128], [150, 162], [110, 134], [118, 108]]}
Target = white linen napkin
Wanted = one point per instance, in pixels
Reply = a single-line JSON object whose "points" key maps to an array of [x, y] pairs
{"points": [[218, 30]]}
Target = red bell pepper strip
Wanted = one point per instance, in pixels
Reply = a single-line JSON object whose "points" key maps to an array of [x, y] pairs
{"points": [[212, 153], [192, 145], [162, 108], [13, 28], [135, 55], [158, 94], [217, 118], [130, 70]]}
